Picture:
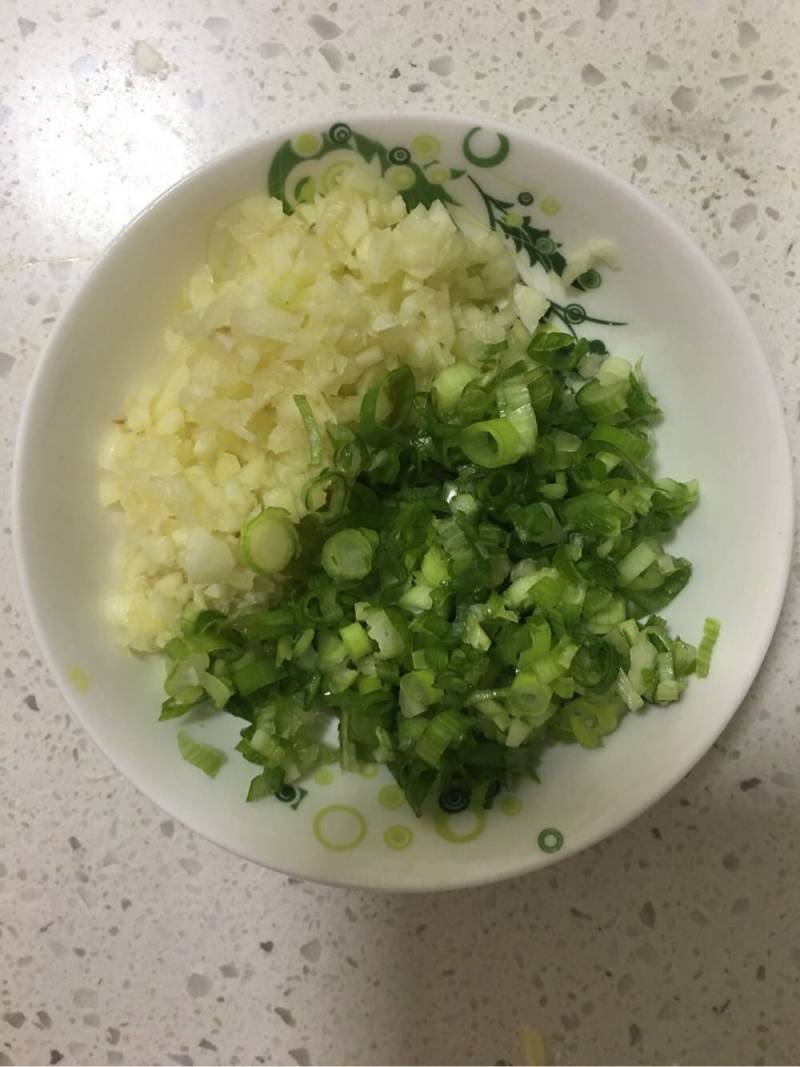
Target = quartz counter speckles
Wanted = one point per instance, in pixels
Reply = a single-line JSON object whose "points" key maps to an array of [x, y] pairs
{"points": [[146, 60], [125, 939]]}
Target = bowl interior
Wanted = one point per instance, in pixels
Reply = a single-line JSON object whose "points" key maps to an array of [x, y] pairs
{"points": [[722, 425]]}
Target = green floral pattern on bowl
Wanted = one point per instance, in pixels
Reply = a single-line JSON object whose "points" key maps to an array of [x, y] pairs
{"points": [[341, 827], [313, 162]]}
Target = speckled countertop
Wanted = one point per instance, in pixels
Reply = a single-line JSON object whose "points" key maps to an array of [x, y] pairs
{"points": [[124, 938]]}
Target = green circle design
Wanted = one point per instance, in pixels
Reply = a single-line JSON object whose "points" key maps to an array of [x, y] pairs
{"points": [[549, 206], [442, 825], [550, 840], [425, 146], [307, 144], [323, 776], [544, 245], [401, 177], [398, 837], [590, 279], [368, 770], [574, 314], [399, 154], [503, 148], [305, 190], [437, 175], [511, 805], [454, 799], [350, 836], [391, 796], [340, 133]]}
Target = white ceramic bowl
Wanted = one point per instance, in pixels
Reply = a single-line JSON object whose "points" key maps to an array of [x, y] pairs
{"points": [[722, 424]]}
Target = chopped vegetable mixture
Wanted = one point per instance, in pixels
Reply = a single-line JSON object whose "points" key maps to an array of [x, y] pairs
{"points": [[479, 576]]}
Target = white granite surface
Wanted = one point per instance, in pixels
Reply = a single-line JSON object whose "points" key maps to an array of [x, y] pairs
{"points": [[125, 939]]}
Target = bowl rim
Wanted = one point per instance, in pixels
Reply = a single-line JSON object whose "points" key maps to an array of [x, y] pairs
{"points": [[567, 156]]}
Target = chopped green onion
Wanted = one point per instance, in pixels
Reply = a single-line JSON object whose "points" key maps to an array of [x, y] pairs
{"points": [[540, 387], [684, 657], [269, 542], [254, 674], [493, 443], [387, 405], [450, 383], [218, 692], [630, 444], [614, 369], [584, 733], [264, 784], [347, 555], [417, 599], [637, 561], [478, 577], [385, 634], [184, 681], [557, 350], [442, 730], [312, 429], [356, 641], [266, 625], [326, 496], [633, 699], [204, 757], [514, 405], [642, 670], [595, 666], [667, 692], [530, 697], [711, 629], [434, 567], [417, 692], [602, 401]]}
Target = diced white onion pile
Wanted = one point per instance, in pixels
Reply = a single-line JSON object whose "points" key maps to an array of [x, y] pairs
{"points": [[321, 302]]}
